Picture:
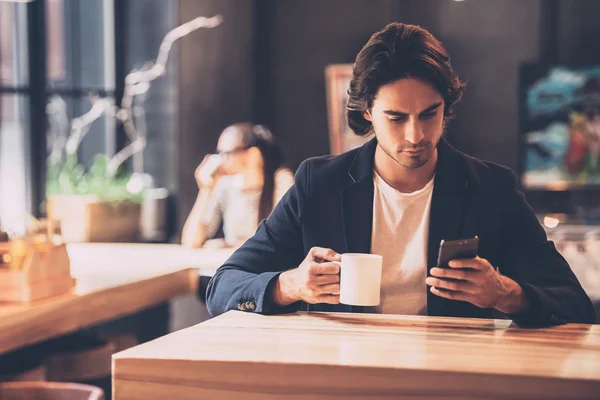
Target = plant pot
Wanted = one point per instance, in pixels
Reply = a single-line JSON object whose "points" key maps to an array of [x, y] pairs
{"points": [[84, 218]]}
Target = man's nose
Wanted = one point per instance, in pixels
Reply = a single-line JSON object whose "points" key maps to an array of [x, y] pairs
{"points": [[414, 132]]}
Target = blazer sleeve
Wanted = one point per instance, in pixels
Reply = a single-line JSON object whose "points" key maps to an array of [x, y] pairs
{"points": [[244, 281], [555, 294]]}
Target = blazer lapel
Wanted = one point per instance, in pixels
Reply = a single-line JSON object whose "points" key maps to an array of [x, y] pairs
{"points": [[357, 201], [448, 207]]}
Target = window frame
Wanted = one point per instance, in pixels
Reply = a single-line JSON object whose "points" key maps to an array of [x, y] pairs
{"points": [[37, 91]]}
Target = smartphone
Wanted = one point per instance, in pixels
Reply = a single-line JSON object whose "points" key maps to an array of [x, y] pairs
{"points": [[456, 249]]}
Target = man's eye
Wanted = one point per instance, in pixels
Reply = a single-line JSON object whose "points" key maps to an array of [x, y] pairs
{"points": [[398, 119], [428, 115]]}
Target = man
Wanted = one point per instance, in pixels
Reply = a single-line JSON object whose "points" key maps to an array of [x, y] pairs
{"points": [[398, 196]]}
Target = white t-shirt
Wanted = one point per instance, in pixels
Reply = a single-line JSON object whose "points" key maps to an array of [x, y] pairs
{"points": [[400, 234]]}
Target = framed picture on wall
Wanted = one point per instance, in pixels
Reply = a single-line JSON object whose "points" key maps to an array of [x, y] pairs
{"points": [[560, 125], [341, 137]]}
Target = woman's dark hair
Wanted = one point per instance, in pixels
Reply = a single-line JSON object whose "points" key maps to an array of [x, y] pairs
{"points": [[261, 137], [399, 51]]}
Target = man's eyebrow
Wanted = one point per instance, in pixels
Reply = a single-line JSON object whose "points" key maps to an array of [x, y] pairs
{"points": [[402, 114], [431, 108]]}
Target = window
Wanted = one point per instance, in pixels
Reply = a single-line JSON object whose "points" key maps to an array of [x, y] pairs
{"points": [[80, 61], [54, 56], [15, 172]]}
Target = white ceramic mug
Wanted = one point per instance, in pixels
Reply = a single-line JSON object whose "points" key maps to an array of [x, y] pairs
{"points": [[360, 279]]}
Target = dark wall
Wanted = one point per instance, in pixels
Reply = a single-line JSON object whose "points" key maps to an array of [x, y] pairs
{"points": [[216, 84], [306, 36], [579, 31]]}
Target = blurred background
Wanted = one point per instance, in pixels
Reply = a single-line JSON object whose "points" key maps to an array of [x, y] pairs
{"points": [[532, 67]]}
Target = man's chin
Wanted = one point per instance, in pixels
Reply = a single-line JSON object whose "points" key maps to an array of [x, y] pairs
{"points": [[414, 162]]}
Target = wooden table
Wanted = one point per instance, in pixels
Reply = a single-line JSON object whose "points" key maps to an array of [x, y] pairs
{"points": [[113, 280], [352, 356]]}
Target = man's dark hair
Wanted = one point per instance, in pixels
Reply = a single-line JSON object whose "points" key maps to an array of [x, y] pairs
{"points": [[396, 52]]}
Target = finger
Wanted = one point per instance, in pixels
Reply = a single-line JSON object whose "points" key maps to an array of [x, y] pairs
{"points": [[448, 294], [321, 254], [197, 171], [332, 288], [320, 280], [454, 285], [473, 263], [324, 269], [460, 274], [328, 298], [204, 160]]}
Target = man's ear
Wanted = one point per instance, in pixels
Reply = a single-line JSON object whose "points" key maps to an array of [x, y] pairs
{"points": [[367, 115]]}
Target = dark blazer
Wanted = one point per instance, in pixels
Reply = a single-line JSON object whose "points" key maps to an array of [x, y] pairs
{"points": [[331, 205]]}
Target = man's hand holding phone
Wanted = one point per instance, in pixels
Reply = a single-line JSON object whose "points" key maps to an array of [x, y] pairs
{"points": [[474, 280]]}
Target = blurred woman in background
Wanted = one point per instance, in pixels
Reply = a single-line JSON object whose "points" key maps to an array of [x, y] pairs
{"points": [[239, 186]]}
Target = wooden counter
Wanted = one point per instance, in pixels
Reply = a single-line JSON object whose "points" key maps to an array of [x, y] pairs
{"points": [[113, 280], [351, 356]]}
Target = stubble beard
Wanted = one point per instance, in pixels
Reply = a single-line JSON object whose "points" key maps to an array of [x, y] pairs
{"points": [[411, 162]]}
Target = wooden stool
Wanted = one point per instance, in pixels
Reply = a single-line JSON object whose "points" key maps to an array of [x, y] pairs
{"points": [[22, 365], [34, 374], [49, 391], [80, 357], [81, 364]]}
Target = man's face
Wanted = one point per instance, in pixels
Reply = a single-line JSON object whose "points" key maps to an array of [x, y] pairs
{"points": [[407, 117]]}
